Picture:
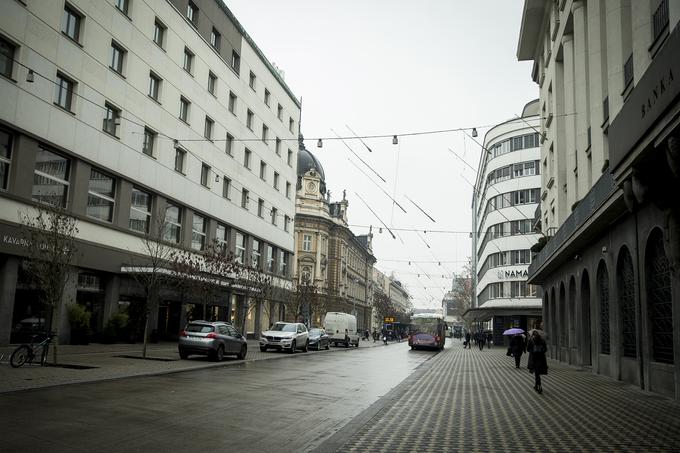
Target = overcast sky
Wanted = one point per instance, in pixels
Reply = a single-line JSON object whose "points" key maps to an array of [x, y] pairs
{"points": [[395, 67]]}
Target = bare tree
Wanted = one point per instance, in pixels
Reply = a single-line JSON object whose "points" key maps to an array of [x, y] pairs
{"points": [[306, 300], [383, 306], [50, 239], [462, 289], [257, 287]]}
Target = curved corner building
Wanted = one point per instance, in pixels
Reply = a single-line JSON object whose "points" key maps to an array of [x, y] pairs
{"points": [[505, 201]]}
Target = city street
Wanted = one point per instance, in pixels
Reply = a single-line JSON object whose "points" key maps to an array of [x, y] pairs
{"points": [[378, 398]]}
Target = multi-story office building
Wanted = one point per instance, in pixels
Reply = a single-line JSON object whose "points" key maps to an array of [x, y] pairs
{"points": [[328, 254], [609, 93], [399, 297], [126, 112], [504, 202]]}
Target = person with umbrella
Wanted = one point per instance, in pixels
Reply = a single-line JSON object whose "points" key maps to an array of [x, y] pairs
{"points": [[517, 348], [538, 364]]}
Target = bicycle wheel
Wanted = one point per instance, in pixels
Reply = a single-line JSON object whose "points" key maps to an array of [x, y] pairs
{"points": [[20, 356]]}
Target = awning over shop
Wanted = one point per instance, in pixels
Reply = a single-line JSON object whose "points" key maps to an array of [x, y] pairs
{"points": [[503, 308]]}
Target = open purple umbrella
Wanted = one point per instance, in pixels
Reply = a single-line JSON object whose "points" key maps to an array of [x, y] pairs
{"points": [[513, 331]]}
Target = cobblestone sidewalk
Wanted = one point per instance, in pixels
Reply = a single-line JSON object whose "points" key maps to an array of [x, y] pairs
{"points": [[471, 401]]}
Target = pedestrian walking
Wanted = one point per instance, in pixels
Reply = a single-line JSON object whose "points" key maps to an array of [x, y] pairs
{"points": [[481, 339], [538, 364], [467, 340], [517, 348], [489, 337]]}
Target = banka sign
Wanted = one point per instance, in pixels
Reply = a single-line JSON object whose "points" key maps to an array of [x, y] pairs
{"points": [[663, 82], [513, 273]]}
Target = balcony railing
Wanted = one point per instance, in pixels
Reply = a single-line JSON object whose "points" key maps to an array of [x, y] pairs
{"points": [[660, 19], [596, 197]]}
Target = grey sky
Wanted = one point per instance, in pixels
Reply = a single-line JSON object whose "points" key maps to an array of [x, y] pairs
{"points": [[393, 67]]}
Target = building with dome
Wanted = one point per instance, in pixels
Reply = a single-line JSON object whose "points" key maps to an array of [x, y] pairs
{"points": [[329, 256]]}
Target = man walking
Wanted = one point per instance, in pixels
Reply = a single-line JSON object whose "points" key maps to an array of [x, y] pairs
{"points": [[467, 340], [481, 340]]}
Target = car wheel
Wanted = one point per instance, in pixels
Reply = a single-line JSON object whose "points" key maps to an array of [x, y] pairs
{"points": [[306, 348], [263, 349], [292, 348], [183, 355], [242, 355], [219, 354]]}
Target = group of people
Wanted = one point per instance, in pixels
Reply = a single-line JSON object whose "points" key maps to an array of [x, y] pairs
{"points": [[536, 347], [481, 339]]}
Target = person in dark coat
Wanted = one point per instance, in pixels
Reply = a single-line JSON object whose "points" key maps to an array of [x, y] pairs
{"points": [[538, 364], [467, 340], [517, 348]]}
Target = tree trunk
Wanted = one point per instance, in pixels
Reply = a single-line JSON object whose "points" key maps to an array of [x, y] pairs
{"points": [[146, 335]]}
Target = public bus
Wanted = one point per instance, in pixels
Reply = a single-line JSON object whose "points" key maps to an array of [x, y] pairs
{"points": [[427, 330]]}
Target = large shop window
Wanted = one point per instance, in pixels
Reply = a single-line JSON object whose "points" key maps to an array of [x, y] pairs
{"points": [[100, 196], [5, 157], [50, 178], [140, 210]]}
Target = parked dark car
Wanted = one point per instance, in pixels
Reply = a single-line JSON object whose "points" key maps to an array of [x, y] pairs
{"points": [[214, 339], [319, 339]]}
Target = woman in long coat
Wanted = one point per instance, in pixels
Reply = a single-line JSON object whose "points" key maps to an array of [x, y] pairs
{"points": [[517, 348], [538, 364]]}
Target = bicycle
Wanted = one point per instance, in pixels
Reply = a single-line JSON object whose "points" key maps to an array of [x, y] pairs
{"points": [[27, 352]]}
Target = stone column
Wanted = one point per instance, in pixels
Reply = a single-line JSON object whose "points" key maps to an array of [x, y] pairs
{"points": [[68, 298], [317, 264], [570, 125], [111, 296], [581, 98], [258, 319], [9, 270]]}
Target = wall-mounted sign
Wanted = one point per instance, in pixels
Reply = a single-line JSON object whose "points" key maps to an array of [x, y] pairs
{"points": [[390, 319], [512, 273]]}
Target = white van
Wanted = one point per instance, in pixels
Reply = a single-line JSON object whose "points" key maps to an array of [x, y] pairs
{"points": [[342, 328]]}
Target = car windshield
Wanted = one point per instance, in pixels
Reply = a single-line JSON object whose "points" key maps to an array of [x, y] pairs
{"points": [[202, 328], [284, 327], [314, 332]]}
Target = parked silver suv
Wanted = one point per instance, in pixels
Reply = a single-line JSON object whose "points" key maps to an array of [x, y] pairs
{"points": [[287, 336], [214, 339]]}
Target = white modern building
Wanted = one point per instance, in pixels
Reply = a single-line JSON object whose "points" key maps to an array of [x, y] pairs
{"points": [[505, 199], [126, 111]]}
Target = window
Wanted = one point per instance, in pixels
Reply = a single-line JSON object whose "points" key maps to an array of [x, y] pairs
{"points": [[215, 38], [267, 96], [251, 80], [278, 146], [246, 158], [6, 58], [208, 129], [265, 133], [249, 120], [159, 33], [5, 157], [279, 112], [192, 13], [255, 256], [184, 109], [222, 238], [275, 215], [180, 156], [70, 25], [290, 158], [232, 103], [284, 262], [205, 175], [307, 242], [111, 120], [270, 258], [287, 189], [50, 178], [100, 196], [244, 198], [229, 145], [212, 82], [198, 232], [117, 57], [154, 86], [172, 229], [276, 181], [226, 188], [140, 210], [149, 139], [263, 170], [122, 6], [235, 62], [240, 247], [188, 60], [286, 220], [291, 124], [64, 92], [260, 207]]}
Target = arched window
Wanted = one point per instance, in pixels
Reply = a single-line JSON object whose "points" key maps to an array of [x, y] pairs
{"points": [[660, 304], [563, 317], [603, 294], [625, 282], [553, 318], [572, 311]]}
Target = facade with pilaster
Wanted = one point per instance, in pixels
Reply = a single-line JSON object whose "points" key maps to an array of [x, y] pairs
{"points": [[608, 73], [130, 113]]}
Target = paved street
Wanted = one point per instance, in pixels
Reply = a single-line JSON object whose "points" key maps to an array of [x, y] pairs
{"points": [[377, 399]]}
